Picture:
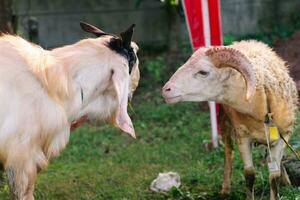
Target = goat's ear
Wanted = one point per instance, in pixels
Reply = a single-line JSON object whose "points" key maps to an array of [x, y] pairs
{"points": [[92, 29], [122, 119], [127, 36]]}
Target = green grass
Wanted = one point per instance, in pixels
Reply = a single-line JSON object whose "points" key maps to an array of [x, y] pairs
{"points": [[103, 163]]}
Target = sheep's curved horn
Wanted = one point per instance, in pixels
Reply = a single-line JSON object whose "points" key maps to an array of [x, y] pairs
{"points": [[222, 56]]}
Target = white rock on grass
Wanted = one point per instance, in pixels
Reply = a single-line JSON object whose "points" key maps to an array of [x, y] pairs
{"points": [[165, 182]]}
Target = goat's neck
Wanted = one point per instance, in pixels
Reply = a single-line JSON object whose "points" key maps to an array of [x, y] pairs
{"points": [[67, 59]]}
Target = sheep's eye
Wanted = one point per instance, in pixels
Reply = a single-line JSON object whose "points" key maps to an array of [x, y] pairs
{"points": [[203, 73]]}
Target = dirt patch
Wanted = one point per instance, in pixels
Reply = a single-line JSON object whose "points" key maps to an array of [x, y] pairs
{"points": [[289, 50]]}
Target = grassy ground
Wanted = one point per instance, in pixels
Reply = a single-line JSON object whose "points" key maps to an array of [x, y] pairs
{"points": [[102, 163]]}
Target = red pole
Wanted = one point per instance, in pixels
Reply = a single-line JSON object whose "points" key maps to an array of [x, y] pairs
{"points": [[204, 25]]}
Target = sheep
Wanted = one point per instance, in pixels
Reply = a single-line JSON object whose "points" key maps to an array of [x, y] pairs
{"points": [[249, 81], [43, 92]]}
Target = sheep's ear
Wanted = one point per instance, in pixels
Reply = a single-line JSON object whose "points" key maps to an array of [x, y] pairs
{"points": [[126, 36], [92, 29], [122, 119]]}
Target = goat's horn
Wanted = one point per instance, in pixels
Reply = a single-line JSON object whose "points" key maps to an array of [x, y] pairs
{"points": [[127, 36], [92, 29], [222, 56]]}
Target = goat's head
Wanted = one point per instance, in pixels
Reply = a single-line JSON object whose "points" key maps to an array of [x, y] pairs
{"points": [[202, 77], [105, 81]]}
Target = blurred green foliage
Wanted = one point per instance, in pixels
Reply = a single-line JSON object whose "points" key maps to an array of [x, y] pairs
{"points": [[153, 69], [171, 2], [271, 30], [166, 2]]}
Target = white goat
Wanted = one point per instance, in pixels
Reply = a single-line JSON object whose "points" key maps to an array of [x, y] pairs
{"points": [[228, 74], [43, 92]]}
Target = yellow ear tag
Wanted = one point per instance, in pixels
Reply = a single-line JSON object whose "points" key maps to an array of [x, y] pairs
{"points": [[273, 131]]}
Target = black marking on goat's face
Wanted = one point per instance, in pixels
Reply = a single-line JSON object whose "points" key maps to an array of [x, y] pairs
{"points": [[115, 44], [121, 45]]}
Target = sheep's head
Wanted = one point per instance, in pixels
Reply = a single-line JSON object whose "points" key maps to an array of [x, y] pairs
{"points": [[202, 77], [106, 89]]}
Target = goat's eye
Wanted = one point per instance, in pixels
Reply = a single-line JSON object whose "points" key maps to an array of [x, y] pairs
{"points": [[203, 73]]}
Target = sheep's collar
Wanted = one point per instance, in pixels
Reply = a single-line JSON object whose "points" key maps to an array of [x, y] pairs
{"points": [[128, 53]]}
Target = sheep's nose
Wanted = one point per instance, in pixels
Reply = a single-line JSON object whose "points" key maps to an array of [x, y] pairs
{"points": [[168, 89]]}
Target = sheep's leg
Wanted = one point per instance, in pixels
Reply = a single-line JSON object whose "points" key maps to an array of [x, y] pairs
{"points": [[21, 178], [227, 164], [226, 136], [274, 178], [249, 172]]}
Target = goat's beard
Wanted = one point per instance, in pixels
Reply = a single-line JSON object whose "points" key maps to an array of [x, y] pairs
{"points": [[96, 120], [93, 120], [112, 119]]}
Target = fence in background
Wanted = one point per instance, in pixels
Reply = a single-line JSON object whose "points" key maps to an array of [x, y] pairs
{"points": [[55, 22]]}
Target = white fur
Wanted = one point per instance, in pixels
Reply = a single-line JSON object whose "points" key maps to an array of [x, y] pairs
{"points": [[41, 95]]}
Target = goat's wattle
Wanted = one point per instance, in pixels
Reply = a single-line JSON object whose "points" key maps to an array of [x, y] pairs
{"points": [[77, 122]]}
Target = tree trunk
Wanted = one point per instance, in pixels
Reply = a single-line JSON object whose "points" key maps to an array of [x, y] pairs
{"points": [[5, 16]]}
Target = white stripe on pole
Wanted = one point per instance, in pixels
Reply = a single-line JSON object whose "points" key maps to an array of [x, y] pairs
{"points": [[214, 123], [206, 25], [212, 104]]}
